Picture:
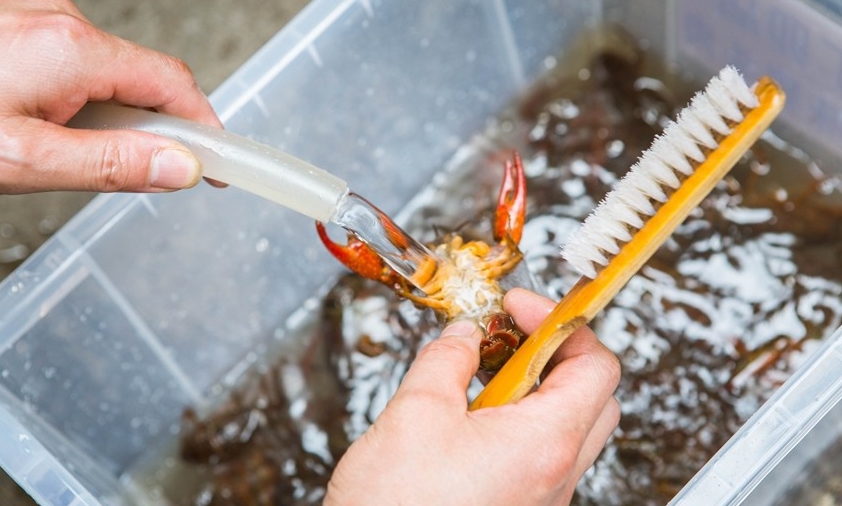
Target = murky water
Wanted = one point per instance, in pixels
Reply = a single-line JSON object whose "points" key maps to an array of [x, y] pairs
{"points": [[711, 326]]}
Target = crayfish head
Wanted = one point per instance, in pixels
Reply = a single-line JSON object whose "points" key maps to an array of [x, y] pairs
{"points": [[502, 338]]}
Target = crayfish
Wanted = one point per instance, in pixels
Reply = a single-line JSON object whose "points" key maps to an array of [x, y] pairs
{"points": [[464, 280]]}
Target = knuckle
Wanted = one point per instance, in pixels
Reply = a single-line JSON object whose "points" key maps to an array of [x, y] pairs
{"points": [[59, 36], [180, 70], [555, 469], [61, 28], [180, 66], [183, 81], [612, 368], [110, 171], [447, 349], [11, 163], [604, 370]]}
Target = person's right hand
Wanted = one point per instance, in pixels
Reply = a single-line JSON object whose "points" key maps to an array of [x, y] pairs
{"points": [[53, 61], [427, 448]]}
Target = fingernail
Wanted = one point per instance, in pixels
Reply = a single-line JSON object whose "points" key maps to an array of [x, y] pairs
{"points": [[174, 168], [463, 328]]}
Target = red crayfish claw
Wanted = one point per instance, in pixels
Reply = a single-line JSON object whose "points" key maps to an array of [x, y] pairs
{"points": [[511, 204], [360, 258]]}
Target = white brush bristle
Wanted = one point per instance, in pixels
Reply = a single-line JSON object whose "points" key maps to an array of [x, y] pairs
{"points": [[673, 156]]}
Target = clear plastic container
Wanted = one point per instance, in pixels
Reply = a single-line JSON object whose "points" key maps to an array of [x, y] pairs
{"points": [[142, 303], [765, 459]]}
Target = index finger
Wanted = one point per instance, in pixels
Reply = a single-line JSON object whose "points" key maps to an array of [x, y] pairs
{"points": [[527, 308], [94, 65], [154, 80], [530, 309]]}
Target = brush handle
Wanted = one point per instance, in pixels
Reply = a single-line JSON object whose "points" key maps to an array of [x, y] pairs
{"points": [[589, 296], [230, 158]]}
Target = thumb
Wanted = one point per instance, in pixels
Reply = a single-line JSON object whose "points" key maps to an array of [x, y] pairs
{"points": [[444, 367], [45, 156]]}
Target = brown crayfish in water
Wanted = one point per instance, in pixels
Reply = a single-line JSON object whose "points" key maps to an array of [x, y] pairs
{"points": [[464, 281]]}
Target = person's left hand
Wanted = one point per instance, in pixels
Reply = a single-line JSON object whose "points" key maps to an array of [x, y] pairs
{"points": [[53, 61]]}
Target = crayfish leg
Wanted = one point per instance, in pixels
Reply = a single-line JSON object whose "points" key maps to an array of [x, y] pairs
{"points": [[430, 302]]}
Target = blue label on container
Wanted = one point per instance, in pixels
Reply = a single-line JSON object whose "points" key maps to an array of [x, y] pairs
{"points": [[788, 40]]}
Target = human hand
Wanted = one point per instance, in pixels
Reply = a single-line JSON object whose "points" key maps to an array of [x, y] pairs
{"points": [[53, 62], [427, 448]]}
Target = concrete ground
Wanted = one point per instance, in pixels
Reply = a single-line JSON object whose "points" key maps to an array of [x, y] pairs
{"points": [[214, 37]]}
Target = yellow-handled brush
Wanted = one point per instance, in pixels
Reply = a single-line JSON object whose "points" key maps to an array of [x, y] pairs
{"points": [[668, 181]]}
